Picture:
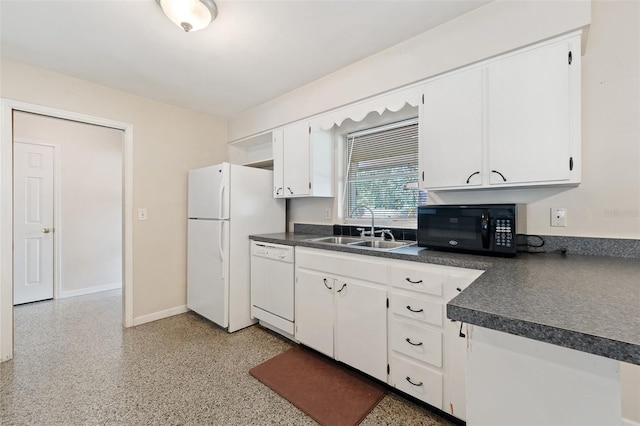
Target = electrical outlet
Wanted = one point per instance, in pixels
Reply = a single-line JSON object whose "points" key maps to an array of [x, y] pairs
{"points": [[558, 216], [327, 214], [142, 214]]}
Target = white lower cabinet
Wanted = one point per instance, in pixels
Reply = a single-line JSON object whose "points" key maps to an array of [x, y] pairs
{"points": [[455, 347], [416, 380], [314, 310], [340, 315], [387, 319], [427, 356], [421, 343], [360, 333]]}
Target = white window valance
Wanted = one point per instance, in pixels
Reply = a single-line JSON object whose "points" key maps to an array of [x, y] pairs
{"points": [[393, 102]]}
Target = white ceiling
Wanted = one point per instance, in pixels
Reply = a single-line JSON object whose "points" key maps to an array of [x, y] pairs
{"points": [[253, 52]]}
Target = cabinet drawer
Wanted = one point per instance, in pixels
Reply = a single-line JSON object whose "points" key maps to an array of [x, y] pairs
{"points": [[421, 343], [416, 308], [416, 380], [423, 278]]}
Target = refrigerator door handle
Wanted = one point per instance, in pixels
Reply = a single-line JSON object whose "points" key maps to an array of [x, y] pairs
{"points": [[221, 201], [220, 243]]}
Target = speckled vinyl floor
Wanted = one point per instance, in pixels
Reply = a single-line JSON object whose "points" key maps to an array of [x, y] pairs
{"points": [[74, 364]]}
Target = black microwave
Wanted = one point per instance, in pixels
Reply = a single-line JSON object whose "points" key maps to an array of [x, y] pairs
{"points": [[484, 228]]}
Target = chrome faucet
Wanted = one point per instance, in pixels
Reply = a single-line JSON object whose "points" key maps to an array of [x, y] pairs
{"points": [[362, 231], [388, 232]]}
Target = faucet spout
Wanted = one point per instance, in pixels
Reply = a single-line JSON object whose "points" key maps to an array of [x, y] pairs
{"points": [[362, 206]]}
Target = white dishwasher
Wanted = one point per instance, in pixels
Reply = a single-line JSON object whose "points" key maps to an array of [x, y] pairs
{"points": [[272, 286]]}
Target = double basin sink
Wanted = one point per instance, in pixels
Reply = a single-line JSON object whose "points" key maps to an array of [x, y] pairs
{"points": [[377, 244]]}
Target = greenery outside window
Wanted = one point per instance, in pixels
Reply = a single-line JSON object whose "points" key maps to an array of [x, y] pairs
{"points": [[382, 172]]}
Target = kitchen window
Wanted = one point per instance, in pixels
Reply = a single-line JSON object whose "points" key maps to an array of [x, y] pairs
{"points": [[382, 172]]}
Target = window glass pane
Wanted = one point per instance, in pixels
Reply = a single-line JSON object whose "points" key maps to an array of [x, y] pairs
{"points": [[382, 162]]}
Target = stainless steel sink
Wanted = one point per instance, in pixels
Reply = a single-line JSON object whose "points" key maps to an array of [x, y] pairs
{"points": [[336, 240], [363, 243], [383, 245]]}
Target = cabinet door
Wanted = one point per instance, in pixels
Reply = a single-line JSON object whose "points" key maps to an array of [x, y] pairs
{"points": [[451, 131], [314, 310], [321, 161], [296, 159], [278, 163], [361, 327], [455, 359], [529, 116]]}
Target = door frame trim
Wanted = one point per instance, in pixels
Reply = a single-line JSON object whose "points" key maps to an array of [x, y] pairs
{"points": [[57, 225], [7, 106]]}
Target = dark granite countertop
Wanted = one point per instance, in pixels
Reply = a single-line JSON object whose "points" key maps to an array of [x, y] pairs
{"points": [[587, 303]]}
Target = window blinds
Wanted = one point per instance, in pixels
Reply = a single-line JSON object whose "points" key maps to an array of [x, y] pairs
{"points": [[380, 163]]}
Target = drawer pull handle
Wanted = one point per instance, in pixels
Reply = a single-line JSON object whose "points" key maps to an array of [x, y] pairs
{"points": [[415, 311], [414, 384], [472, 175], [414, 282], [324, 280], [342, 288], [411, 343], [461, 334]]}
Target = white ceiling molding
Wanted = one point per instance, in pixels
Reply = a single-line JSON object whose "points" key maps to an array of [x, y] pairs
{"points": [[357, 112]]}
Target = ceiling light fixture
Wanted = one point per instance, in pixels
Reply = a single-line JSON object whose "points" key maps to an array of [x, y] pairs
{"points": [[190, 15]]}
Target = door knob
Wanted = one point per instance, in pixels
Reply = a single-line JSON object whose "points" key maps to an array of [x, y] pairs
{"points": [[46, 230]]}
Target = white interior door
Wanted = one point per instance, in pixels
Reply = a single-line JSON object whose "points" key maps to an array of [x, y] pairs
{"points": [[32, 223]]}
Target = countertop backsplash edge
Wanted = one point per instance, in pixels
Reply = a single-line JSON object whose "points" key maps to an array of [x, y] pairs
{"points": [[589, 246]]}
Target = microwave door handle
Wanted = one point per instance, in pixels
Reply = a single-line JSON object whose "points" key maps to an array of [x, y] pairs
{"points": [[484, 229]]}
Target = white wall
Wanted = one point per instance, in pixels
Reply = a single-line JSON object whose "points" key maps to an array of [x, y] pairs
{"points": [[90, 188], [167, 142], [495, 28]]}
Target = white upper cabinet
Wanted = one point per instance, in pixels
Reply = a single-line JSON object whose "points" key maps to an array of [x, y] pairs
{"points": [[509, 122], [451, 131], [302, 162], [529, 115], [290, 161]]}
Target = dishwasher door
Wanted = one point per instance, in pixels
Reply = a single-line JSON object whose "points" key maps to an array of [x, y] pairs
{"points": [[272, 283]]}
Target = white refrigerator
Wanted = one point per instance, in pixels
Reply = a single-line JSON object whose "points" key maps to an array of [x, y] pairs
{"points": [[227, 203]]}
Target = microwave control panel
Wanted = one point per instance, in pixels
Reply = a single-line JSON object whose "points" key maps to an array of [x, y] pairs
{"points": [[504, 232]]}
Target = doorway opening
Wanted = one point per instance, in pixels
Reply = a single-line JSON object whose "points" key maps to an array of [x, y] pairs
{"points": [[8, 110], [67, 208]]}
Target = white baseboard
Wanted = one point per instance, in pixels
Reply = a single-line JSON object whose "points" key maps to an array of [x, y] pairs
{"points": [[89, 290], [627, 422], [160, 315]]}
